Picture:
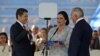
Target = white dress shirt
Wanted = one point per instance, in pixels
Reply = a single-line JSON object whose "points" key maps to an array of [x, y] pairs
{"points": [[79, 19]]}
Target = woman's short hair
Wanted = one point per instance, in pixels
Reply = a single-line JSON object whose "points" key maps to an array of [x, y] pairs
{"points": [[65, 16]]}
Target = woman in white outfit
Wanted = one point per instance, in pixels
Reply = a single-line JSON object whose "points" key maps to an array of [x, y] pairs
{"points": [[4, 48], [60, 34]]}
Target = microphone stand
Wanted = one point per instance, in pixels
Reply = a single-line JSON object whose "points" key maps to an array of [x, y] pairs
{"points": [[46, 47]]}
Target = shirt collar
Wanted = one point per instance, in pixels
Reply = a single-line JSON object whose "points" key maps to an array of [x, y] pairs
{"points": [[79, 19], [20, 23]]}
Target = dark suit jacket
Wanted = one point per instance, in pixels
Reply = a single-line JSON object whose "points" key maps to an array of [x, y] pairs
{"points": [[80, 39], [21, 43]]}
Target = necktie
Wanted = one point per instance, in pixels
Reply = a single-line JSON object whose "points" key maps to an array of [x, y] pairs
{"points": [[24, 27], [29, 35]]}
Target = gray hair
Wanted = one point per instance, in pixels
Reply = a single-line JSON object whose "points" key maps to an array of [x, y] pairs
{"points": [[78, 11]]}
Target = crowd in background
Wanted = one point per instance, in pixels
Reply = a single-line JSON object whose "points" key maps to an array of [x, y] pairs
{"points": [[41, 34], [95, 42], [39, 38]]}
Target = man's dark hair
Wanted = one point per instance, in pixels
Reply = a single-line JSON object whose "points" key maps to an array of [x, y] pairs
{"points": [[20, 12]]}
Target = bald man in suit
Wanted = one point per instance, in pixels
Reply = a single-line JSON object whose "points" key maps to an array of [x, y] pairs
{"points": [[81, 34]]}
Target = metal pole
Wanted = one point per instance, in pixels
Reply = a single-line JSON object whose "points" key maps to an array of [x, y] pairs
{"points": [[46, 48]]}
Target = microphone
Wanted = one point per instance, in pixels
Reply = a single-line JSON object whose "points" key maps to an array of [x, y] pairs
{"points": [[47, 41], [54, 34]]}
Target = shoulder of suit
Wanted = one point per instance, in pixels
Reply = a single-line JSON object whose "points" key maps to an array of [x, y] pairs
{"points": [[15, 24]]}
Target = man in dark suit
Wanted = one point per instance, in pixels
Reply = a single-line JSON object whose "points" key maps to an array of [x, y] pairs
{"points": [[95, 40], [81, 34], [20, 36]]}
